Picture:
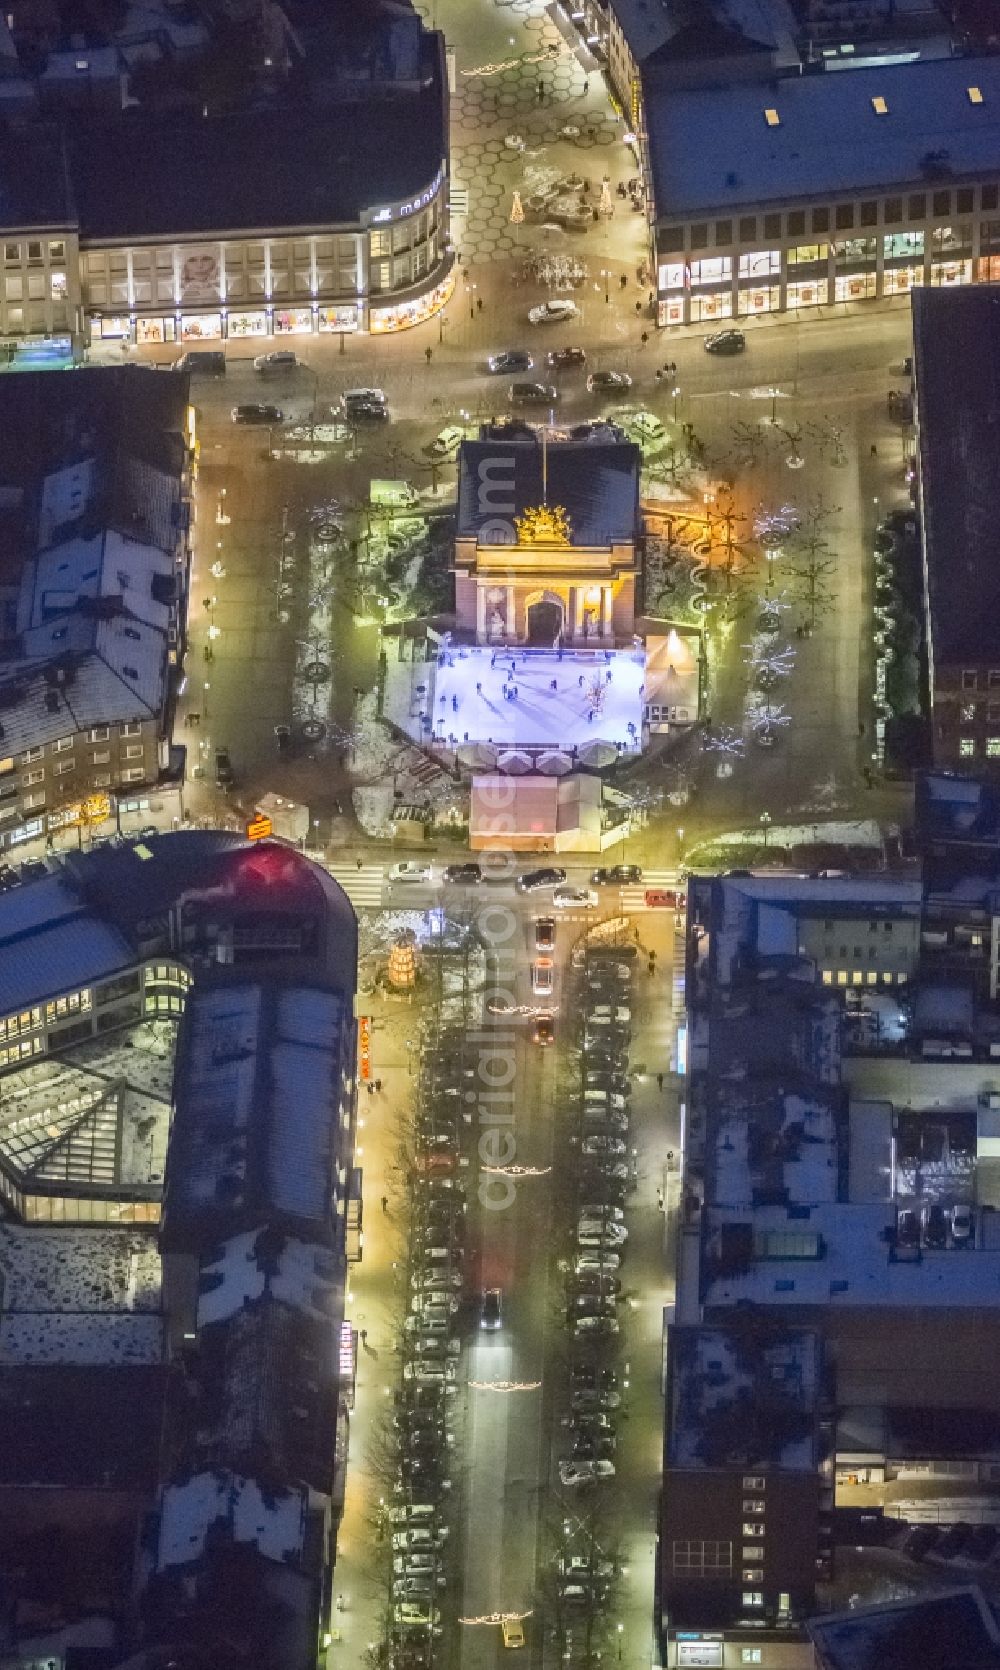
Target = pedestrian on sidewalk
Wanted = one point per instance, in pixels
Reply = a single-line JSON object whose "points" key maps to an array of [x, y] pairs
{"points": [[874, 450], [360, 863], [659, 1081], [385, 1203], [428, 355], [364, 1337], [659, 1199], [378, 1087]]}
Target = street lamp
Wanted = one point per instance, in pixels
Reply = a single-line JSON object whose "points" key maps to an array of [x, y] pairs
{"points": [[680, 844], [765, 824], [675, 392], [442, 321], [621, 1632]]}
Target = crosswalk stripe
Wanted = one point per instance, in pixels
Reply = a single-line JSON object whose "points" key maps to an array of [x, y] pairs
{"points": [[458, 200], [364, 886]]}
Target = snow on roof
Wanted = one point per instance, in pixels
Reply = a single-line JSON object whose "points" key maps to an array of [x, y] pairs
{"points": [[712, 150], [45, 1337], [715, 1372], [299, 1275], [275, 1527], [854, 1268], [78, 1270]]}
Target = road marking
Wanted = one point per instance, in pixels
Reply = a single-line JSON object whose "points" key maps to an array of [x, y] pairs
{"points": [[458, 200], [363, 887]]}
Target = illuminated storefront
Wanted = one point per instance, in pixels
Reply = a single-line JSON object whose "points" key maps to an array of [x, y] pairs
{"points": [[401, 316], [247, 324]]}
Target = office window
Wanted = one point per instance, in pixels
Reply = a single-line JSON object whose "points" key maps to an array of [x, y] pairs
{"points": [[32, 754], [102, 756], [699, 235], [34, 252], [102, 780], [807, 255], [671, 240], [964, 201], [993, 747], [100, 733], [844, 216], [134, 751], [969, 678], [796, 222], [968, 711], [748, 228], [772, 226], [754, 1481], [62, 744], [64, 766], [133, 729], [892, 211], [941, 203], [820, 220], [993, 678], [751, 1528], [134, 774], [869, 214], [751, 1655], [828, 977], [31, 801], [753, 1505], [917, 206], [841, 977], [723, 232], [966, 748], [989, 197], [11, 253], [703, 1557], [33, 777], [753, 1574], [752, 1598]]}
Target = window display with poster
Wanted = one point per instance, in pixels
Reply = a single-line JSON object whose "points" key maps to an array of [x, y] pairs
{"points": [[292, 321], [247, 324], [156, 330], [338, 318], [197, 327], [113, 326], [405, 314]]}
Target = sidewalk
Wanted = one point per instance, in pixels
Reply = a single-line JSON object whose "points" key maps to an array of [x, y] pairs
{"points": [[371, 1305]]}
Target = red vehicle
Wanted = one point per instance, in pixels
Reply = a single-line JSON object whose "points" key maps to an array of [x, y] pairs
{"points": [[664, 898]]}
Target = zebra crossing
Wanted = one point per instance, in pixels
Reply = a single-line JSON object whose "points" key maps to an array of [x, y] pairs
{"points": [[458, 201], [634, 898], [363, 887]]}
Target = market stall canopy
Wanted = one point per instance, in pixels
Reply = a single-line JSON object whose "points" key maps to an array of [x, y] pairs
{"points": [[515, 762], [479, 755], [598, 752], [554, 764]]}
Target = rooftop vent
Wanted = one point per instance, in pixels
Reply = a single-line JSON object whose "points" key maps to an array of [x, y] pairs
{"points": [[879, 105]]}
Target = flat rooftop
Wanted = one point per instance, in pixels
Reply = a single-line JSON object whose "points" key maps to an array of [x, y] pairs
{"points": [[959, 458], [743, 1400], [713, 151]]}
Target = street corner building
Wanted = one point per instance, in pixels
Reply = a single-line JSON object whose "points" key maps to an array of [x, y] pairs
{"points": [[96, 473], [957, 457], [201, 179], [181, 1057], [831, 1410]]}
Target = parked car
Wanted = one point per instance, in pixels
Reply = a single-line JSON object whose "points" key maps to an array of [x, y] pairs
{"points": [[725, 342], [561, 359], [510, 360], [961, 1222], [446, 444], [554, 311], [531, 881], [541, 976], [281, 359], [203, 362], [585, 1472], [533, 394], [907, 1227], [254, 412], [934, 1225], [408, 869], [608, 382]]}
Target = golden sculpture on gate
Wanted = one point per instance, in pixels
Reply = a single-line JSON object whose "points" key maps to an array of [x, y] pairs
{"points": [[543, 524]]}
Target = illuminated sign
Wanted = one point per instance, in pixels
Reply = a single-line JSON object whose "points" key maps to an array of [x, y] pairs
{"points": [[258, 829], [346, 1363], [364, 1047]]}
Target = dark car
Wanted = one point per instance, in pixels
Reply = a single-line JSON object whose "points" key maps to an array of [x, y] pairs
{"points": [[545, 933], [255, 412], [544, 1032], [919, 1541], [224, 773], [533, 394], [507, 429], [608, 382], [510, 360], [725, 342], [934, 1225], [463, 875], [491, 1309], [619, 875], [532, 880], [600, 431], [560, 359]]}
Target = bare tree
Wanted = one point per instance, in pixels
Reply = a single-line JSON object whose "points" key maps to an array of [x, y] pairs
{"points": [[809, 563]]}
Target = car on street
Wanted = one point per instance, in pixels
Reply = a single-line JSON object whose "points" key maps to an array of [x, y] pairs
{"points": [[545, 933], [254, 412], [541, 976], [561, 359], [408, 869], [507, 429], [608, 382], [491, 1309], [282, 359], [584, 1472], [224, 774], [725, 342], [583, 898], [446, 444], [961, 1221], [463, 875], [617, 875], [533, 394], [512, 1632], [580, 1565], [544, 1032], [363, 404], [934, 1224], [509, 360], [555, 311], [601, 431], [532, 881]]}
